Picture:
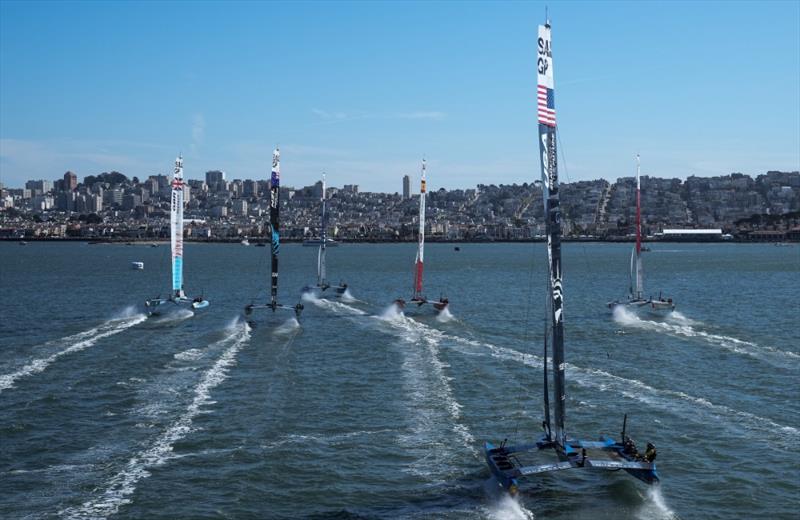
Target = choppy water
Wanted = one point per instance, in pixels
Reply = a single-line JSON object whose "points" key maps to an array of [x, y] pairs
{"points": [[361, 412]]}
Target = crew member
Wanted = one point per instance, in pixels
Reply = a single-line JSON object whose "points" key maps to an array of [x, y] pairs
{"points": [[650, 453]]}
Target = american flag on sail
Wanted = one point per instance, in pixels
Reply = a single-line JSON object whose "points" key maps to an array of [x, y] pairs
{"points": [[546, 106]]}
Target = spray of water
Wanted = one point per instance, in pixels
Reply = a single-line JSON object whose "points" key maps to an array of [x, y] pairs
{"points": [[392, 313], [655, 507], [310, 297], [348, 297], [288, 326], [445, 316]]}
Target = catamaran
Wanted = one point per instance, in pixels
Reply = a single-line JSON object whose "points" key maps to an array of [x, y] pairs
{"points": [[507, 463], [177, 296], [274, 224], [636, 299], [417, 297], [324, 242]]}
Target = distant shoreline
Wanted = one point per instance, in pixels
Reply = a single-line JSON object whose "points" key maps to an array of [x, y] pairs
{"points": [[253, 241]]}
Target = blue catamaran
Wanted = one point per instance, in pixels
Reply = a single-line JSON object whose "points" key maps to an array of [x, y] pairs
{"points": [[507, 463], [177, 296], [274, 224]]}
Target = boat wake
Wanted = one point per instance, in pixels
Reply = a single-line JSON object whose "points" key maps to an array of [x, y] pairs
{"points": [[333, 305], [736, 421], [75, 343], [677, 324], [123, 484], [327, 440], [428, 387]]}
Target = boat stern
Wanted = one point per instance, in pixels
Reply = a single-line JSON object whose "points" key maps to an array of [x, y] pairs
{"points": [[502, 467]]}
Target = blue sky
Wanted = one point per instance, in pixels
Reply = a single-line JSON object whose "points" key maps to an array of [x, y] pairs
{"points": [[364, 90]]}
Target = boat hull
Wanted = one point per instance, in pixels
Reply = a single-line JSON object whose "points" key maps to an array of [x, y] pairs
{"points": [[653, 306]]}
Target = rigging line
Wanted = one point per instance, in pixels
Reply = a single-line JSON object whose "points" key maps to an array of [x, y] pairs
{"points": [[526, 334]]}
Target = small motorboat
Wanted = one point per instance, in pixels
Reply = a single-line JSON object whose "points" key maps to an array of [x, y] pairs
{"points": [[137, 266]]}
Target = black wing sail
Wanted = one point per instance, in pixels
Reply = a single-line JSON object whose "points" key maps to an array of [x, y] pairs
{"points": [[552, 211], [274, 221]]}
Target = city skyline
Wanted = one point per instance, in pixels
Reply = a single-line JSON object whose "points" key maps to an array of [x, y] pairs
{"points": [[364, 91]]}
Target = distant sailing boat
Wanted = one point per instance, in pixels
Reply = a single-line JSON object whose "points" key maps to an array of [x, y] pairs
{"points": [[177, 296], [274, 224], [418, 297], [507, 463], [636, 299], [322, 273]]}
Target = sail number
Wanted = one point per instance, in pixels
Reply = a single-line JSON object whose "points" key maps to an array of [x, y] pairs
{"points": [[545, 55]]}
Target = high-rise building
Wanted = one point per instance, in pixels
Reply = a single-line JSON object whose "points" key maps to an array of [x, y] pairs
{"points": [[406, 187], [215, 180], [39, 187], [70, 181]]}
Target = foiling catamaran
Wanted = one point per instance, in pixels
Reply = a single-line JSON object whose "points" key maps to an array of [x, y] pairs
{"points": [[322, 271], [507, 463], [417, 297], [177, 296], [636, 299], [274, 224]]}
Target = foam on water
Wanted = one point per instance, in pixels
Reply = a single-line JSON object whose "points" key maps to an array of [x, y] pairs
{"points": [[678, 325], [189, 355], [74, 343], [123, 484]]}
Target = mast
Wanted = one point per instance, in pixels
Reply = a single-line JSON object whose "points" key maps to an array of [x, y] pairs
{"points": [[639, 284], [321, 270], [176, 228], [274, 221], [547, 148], [421, 246]]}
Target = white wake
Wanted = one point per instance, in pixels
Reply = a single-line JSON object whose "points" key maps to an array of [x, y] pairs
{"points": [[74, 343], [123, 484]]}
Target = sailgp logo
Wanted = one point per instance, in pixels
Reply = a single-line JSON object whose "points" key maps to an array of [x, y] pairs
{"points": [[545, 55]]}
